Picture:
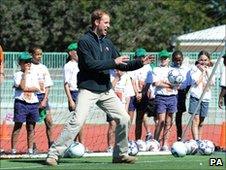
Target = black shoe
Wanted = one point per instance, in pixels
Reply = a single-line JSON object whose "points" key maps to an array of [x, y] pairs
{"points": [[124, 159]]}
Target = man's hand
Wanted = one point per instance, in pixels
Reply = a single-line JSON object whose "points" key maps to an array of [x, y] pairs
{"points": [[122, 60], [148, 59]]}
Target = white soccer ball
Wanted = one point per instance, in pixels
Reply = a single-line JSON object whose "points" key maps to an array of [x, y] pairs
{"points": [[178, 149], [175, 77], [132, 148], [152, 145], [75, 150], [141, 145], [206, 147], [191, 146]]}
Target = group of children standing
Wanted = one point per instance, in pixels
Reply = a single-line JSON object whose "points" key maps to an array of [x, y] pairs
{"points": [[155, 96], [146, 91]]}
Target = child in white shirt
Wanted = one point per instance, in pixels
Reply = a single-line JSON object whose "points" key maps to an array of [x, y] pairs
{"points": [[199, 77], [26, 101], [165, 99]]}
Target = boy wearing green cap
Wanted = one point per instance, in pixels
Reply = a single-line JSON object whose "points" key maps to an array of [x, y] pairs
{"points": [[165, 99], [26, 101], [70, 82], [140, 101]]}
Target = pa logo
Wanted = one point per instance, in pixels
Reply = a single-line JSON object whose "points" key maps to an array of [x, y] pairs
{"points": [[216, 162]]}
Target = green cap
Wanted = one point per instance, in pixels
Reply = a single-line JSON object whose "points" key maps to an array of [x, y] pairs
{"points": [[140, 52], [164, 53], [72, 47], [24, 56]]}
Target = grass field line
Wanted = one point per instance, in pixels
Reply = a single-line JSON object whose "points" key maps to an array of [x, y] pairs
{"points": [[101, 163]]}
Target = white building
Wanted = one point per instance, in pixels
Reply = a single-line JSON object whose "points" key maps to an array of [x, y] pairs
{"points": [[211, 39]]}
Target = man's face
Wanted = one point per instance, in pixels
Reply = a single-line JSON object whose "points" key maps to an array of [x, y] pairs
{"points": [[102, 25]]}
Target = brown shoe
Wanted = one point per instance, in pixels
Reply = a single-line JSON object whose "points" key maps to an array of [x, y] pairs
{"points": [[124, 159], [51, 161]]}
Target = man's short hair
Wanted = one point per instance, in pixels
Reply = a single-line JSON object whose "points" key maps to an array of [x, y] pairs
{"points": [[97, 14]]}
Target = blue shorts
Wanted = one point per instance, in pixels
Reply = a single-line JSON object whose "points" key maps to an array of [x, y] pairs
{"points": [[74, 95], [40, 98], [132, 104], [165, 104], [142, 105], [25, 112], [203, 109]]}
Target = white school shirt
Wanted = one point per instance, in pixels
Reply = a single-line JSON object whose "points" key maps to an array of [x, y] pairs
{"points": [[185, 72], [43, 76], [123, 86], [223, 76], [31, 81], [161, 73], [196, 90], [70, 74], [140, 76]]}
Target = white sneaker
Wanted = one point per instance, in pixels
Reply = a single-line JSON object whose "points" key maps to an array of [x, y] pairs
{"points": [[30, 151], [165, 148], [13, 152], [110, 149]]}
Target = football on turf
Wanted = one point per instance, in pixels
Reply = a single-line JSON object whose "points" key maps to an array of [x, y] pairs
{"points": [[141, 145], [132, 148], [152, 145], [75, 150], [191, 146], [178, 149], [206, 147], [175, 77]]}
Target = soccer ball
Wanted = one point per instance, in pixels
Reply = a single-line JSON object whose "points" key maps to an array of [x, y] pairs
{"points": [[206, 147], [132, 148], [75, 150], [141, 145], [178, 149], [191, 146], [152, 145], [175, 77]]}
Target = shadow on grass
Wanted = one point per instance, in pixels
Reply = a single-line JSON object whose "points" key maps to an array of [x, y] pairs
{"points": [[42, 162], [34, 161]]}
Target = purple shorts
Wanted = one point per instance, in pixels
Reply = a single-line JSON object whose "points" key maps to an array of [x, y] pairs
{"points": [[132, 104], [74, 95], [40, 98], [165, 104], [25, 112]]}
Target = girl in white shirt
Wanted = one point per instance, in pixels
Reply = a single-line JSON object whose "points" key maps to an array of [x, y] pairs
{"points": [[199, 77], [70, 72]]}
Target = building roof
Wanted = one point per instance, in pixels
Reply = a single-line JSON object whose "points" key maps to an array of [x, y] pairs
{"points": [[215, 34]]}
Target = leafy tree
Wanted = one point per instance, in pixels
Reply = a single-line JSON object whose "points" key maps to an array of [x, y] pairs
{"points": [[150, 24]]}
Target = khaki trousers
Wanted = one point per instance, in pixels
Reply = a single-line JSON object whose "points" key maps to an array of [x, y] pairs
{"points": [[110, 104]]}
